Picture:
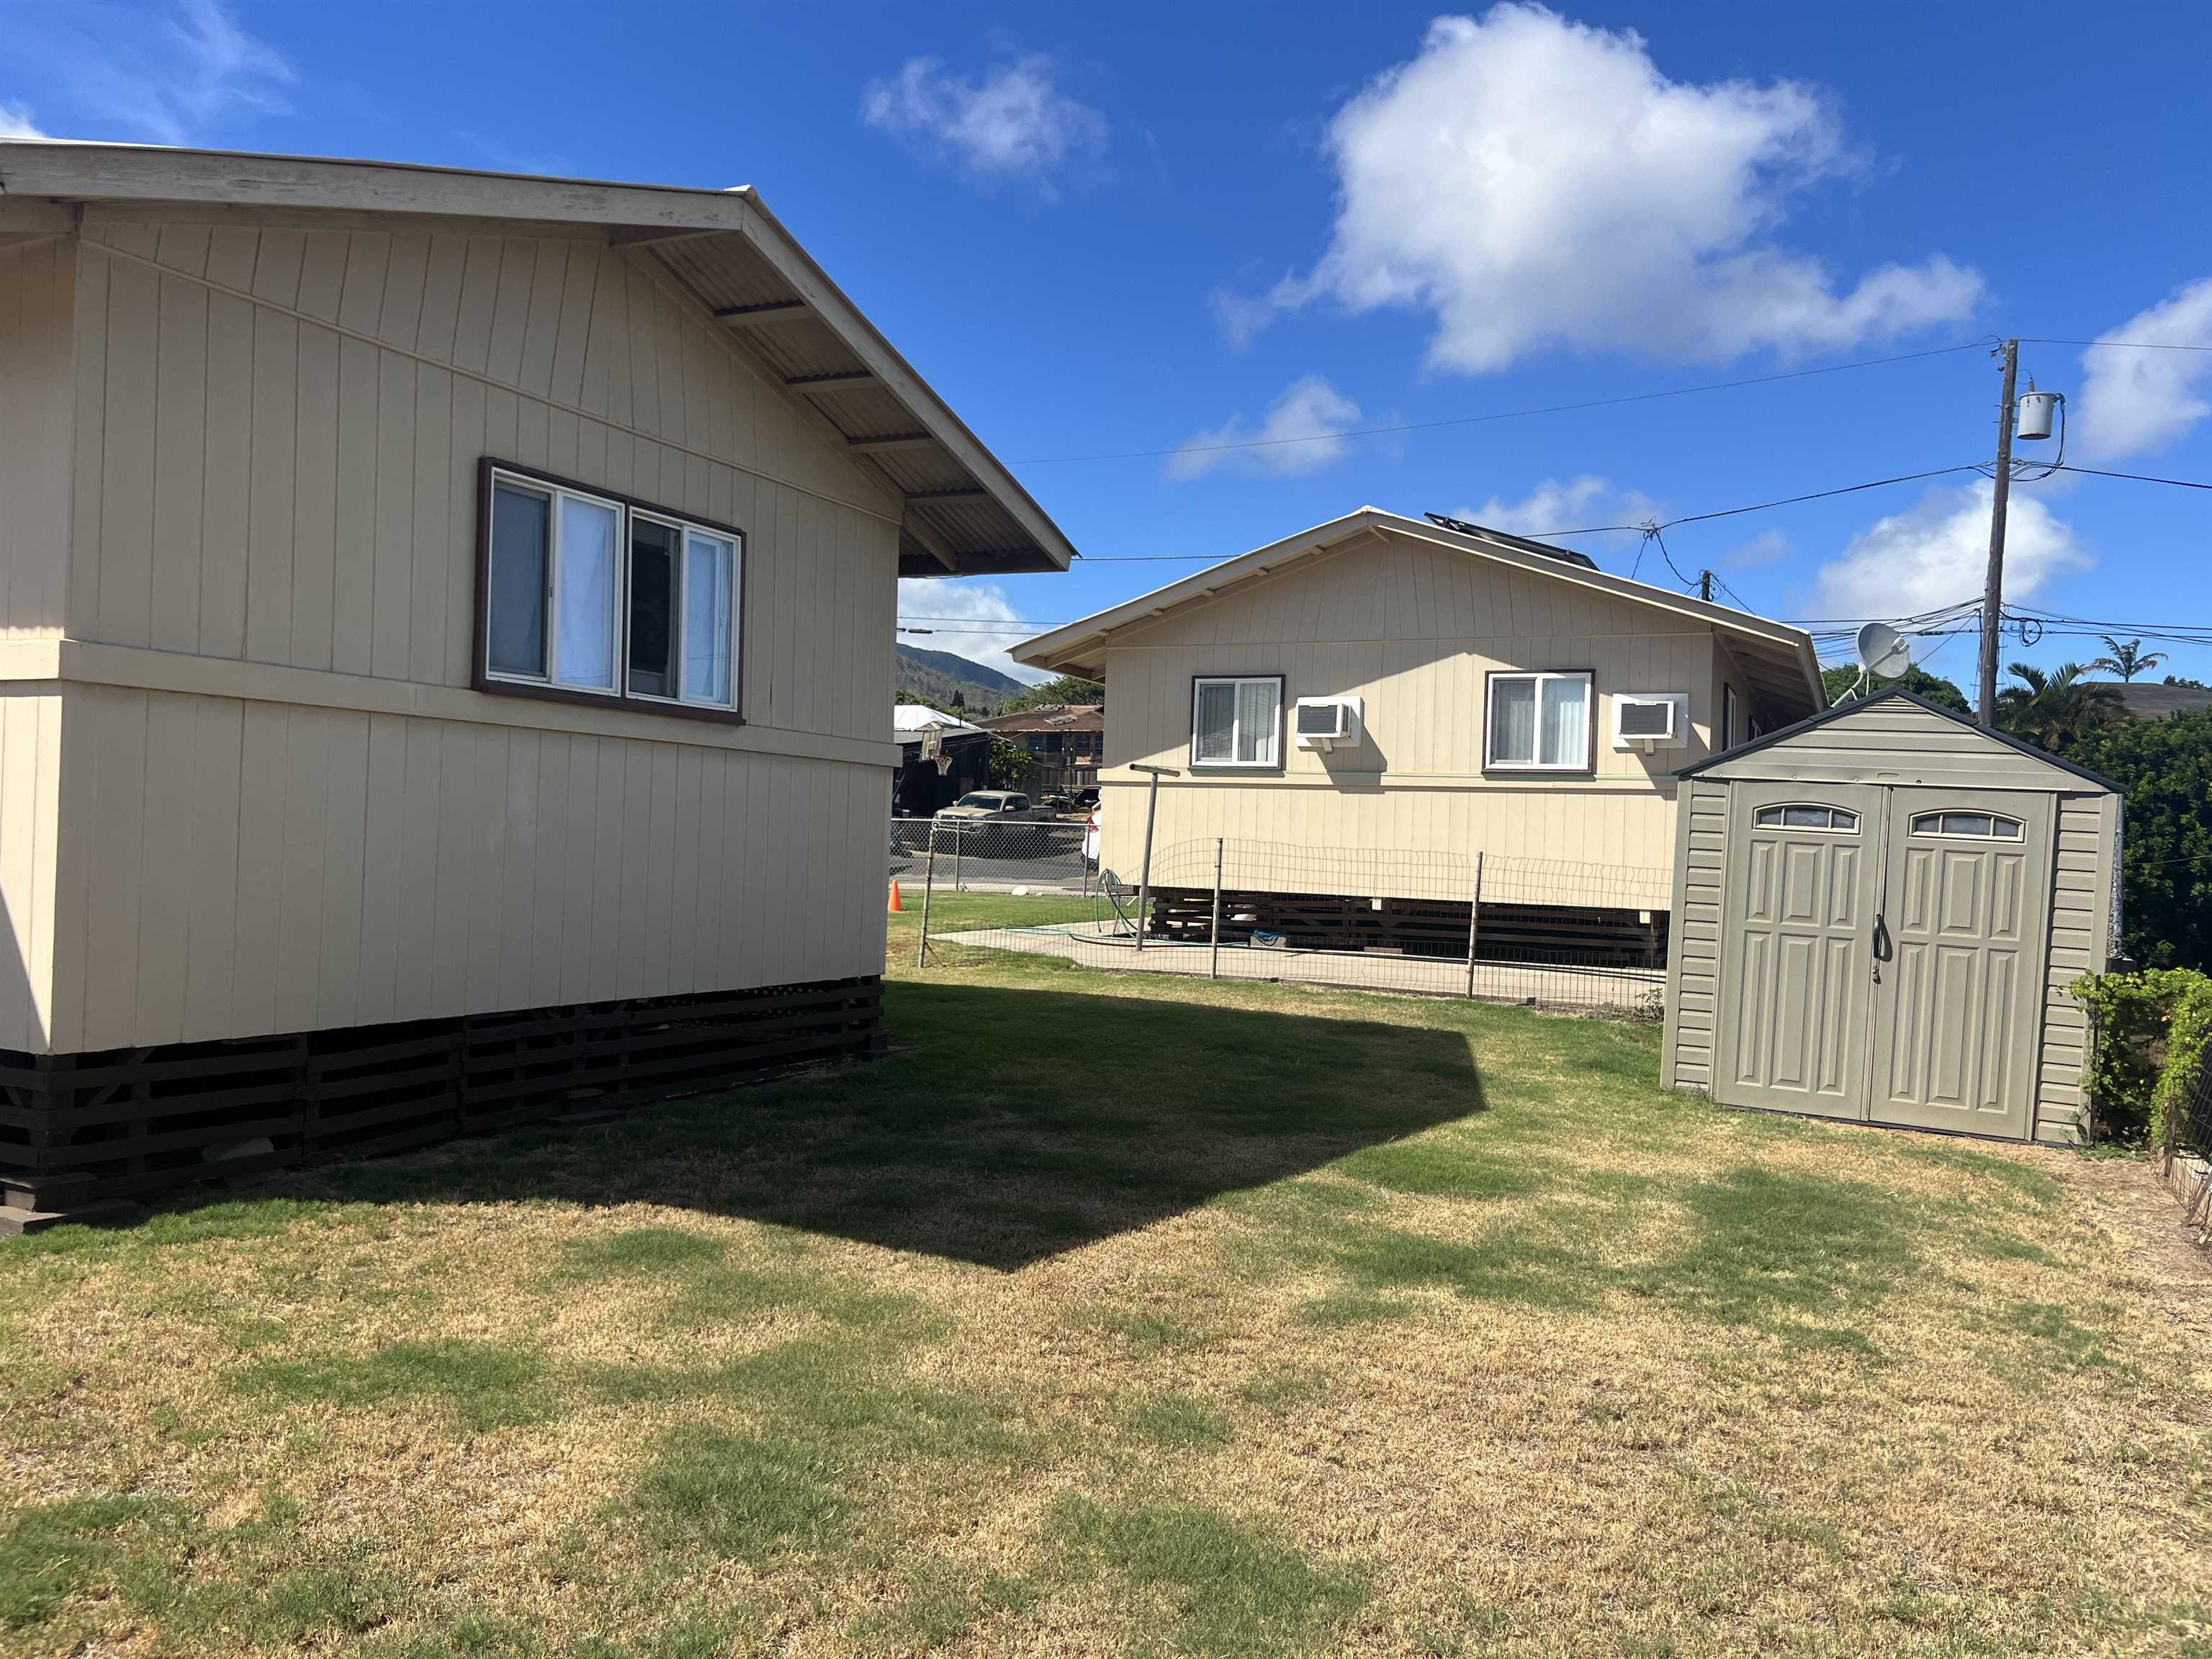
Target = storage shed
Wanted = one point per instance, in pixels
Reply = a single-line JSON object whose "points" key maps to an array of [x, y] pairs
{"points": [[1878, 911]]}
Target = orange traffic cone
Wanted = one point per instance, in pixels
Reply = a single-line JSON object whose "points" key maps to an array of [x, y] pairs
{"points": [[898, 903]]}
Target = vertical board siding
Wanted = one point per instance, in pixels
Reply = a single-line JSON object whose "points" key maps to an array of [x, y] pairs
{"points": [[1415, 631], [276, 458], [323, 868], [261, 443], [30, 795], [38, 299]]}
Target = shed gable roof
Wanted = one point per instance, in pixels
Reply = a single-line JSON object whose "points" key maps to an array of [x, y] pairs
{"points": [[1885, 731], [964, 514]]}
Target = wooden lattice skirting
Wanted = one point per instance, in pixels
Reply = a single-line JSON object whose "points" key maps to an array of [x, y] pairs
{"points": [[1581, 935], [76, 1129]]}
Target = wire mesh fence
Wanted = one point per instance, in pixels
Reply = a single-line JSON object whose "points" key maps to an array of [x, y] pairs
{"points": [[990, 855], [2188, 1136], [1589, 936]]}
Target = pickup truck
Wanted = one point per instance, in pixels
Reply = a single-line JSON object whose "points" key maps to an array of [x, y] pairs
{"points": [[994, 807]]}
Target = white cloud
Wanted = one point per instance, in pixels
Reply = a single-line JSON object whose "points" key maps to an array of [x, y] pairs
{"points": [[1554, 505], [1936, 553], [970, 619], [1302, 432], [15, 122], [1768, 547], [1532, 183], [2135, 401], [1012, 124], [171, 80]]}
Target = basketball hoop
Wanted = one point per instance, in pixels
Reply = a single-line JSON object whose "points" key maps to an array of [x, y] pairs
{"points": [[932, 749]]}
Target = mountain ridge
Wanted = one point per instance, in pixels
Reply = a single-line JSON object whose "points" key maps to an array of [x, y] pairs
{"points": [[934, 676]]}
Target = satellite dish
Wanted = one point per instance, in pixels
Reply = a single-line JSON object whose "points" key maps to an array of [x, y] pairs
{"points": [[1883, 651]]}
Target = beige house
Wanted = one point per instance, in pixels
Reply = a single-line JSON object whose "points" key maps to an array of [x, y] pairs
{"points": [[1382, 684], [433, 598]]}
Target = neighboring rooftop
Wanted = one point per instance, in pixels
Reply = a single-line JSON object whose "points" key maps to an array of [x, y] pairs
{"points": [[1050, 717], [1778, 659], [965, 513], [911, 719], [2146, 702]]}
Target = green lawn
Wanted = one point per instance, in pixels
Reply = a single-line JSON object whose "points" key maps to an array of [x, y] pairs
{"points": [[1124, 1317]]}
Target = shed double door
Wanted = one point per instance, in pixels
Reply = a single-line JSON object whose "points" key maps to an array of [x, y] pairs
{"points": [[1883, 953]]}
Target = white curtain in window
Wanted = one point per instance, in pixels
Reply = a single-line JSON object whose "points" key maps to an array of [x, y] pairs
{"points": [[708, 613], [1217, 720], [1566, 722], [1258, 705], [1513, 722], [585, 582]]}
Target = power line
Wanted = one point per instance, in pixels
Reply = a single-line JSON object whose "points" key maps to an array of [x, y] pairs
{"points": [[2127, 345], [2137, 477], [1641, 529], [1502, 413]]}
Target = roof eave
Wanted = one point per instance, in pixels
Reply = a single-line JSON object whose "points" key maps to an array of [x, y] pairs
{"points": [[1068, 649], [636, 215]]}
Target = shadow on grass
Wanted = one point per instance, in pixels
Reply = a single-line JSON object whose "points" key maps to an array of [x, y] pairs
{"points": [[1006, 1127]]}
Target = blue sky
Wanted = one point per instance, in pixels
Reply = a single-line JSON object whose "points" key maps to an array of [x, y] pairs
{"points": [[1141, 232]]}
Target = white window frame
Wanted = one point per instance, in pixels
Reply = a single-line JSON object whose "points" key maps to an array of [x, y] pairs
{"points": [[1539, 678], [2017, 836], [1274, 760], [1781, 809], [625, 511]]}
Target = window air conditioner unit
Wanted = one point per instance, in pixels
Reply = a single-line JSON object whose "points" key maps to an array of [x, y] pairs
{"points": [[1322, 723], [1649, 719]]}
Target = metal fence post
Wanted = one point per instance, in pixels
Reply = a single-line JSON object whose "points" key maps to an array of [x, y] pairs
{"points": [[1473, 923], [1213, 955], [956, 842], [928, 884], [1144, 875]]}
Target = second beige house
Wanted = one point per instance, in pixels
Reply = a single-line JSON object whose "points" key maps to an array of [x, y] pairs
{"points": [[1359, 710]]}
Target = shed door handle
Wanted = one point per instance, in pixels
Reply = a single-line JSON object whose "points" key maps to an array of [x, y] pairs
{"points": [[1881, 938]]}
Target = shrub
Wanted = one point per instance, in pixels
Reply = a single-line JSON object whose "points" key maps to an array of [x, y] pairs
{"points": [[2151, 1031], [2165, 863]]}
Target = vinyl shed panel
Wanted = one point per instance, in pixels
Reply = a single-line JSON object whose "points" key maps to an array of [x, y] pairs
{"points": [[279, 429], [250, 867], [1897, 742], [1694, 959], [2080, 919]]}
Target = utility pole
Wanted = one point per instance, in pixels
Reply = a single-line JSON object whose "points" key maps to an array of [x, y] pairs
{"points": [[1993, 590], [1705, 586]]}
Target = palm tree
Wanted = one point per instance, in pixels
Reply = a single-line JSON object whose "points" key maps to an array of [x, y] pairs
{"points": [[2127, 658], [2053, 710]]}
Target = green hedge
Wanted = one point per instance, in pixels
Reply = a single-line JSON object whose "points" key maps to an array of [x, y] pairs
{"points": [[2152, 1028]]}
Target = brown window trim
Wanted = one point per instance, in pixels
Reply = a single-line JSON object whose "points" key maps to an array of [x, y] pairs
{"points": [[1233, 769], [481, 677], [1587, 770]]}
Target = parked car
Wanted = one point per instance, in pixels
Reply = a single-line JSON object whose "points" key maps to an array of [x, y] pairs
{"points": [[994, 807]]}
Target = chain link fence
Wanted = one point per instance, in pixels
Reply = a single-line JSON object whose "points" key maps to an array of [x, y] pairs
{"points": [[990, 855], [1560, 934]]}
